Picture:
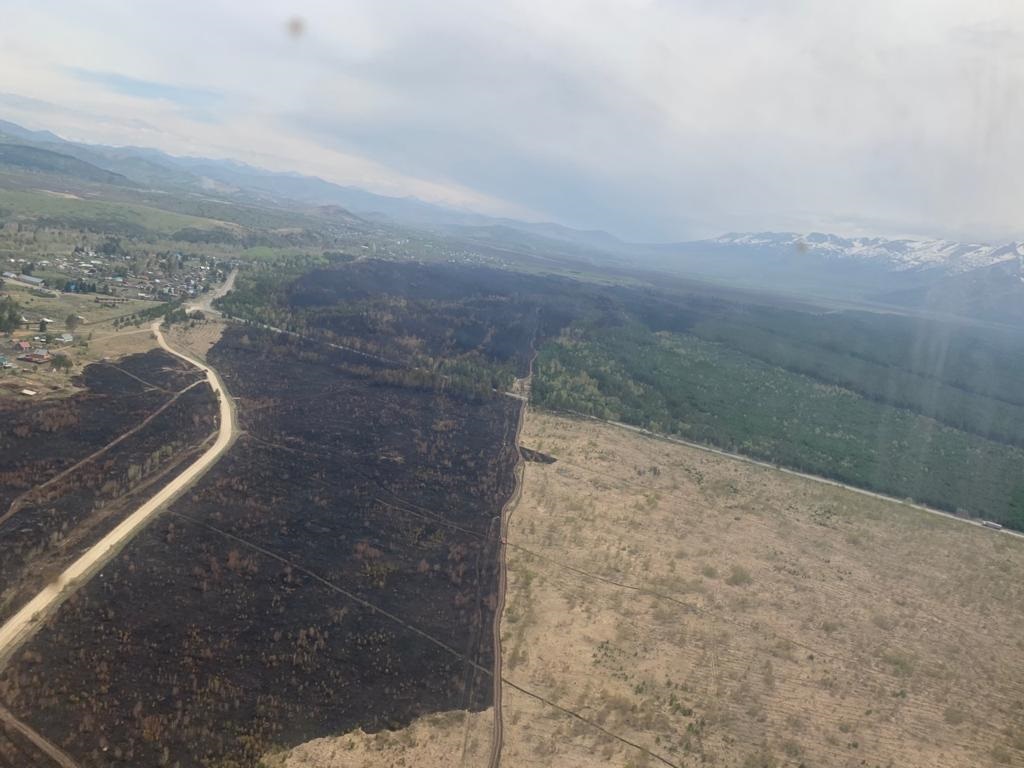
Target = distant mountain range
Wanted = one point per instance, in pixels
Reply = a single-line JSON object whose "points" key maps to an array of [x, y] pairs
{"points": [[994, 293], [919, 274], [154, 169], [973, 279], [947, 256], [38, 159]]}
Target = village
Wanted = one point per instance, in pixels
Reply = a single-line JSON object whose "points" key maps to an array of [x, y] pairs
{"points": [[71, 309], [112, 274]]}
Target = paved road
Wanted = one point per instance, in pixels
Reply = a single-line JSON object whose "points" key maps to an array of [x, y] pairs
{"points": [[25, 622]]}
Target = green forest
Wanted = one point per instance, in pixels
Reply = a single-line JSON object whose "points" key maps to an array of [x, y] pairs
{"points": [[786, 400]]}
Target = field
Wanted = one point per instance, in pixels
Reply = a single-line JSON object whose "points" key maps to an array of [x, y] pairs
{"points": [[73, 213], [60, 306], [773, 620], [711, 612], [95, 339], [196, 339]]}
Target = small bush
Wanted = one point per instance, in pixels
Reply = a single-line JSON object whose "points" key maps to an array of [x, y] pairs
{"points": [[1001, 755], [738, 576], [954, 716], [761, 759]]}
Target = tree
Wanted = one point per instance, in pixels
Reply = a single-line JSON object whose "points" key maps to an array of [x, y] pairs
{"points": [[42, 326], [10, 315], [71, 321], [61, 363]]}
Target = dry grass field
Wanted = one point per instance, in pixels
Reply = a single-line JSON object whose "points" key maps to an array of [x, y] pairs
{"points": [[721, 614], [103, 342], [196, 340], [444, 740], [61, 305]]}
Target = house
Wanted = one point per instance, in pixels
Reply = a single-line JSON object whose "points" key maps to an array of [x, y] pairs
{"points": [[38, 356], [65, 338], [22, 346], [30, 280], [29, 392]]}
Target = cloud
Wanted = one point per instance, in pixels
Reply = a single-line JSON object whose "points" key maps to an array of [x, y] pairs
{"points": [[648, 118], [198, 102]]}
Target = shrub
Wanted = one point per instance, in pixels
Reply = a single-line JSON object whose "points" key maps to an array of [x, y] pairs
{"points": [[738, 576]]}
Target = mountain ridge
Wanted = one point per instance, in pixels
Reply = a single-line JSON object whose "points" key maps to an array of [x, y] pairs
{"points": [[148, 166], [903, 271], [900, 254]]}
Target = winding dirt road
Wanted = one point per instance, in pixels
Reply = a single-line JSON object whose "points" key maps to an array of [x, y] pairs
{"points": [[25, 622]]}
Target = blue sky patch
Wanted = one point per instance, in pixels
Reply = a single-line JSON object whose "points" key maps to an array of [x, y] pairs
{"points": [[196, 99]]}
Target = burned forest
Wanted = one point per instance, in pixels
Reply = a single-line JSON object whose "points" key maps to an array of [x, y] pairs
{"points": [[337, 568], [70, 467]]}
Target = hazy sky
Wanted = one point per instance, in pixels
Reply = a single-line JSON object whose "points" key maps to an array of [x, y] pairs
{"points": [[654, 120]]}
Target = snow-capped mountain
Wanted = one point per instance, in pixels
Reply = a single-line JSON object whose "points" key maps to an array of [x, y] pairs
{"points": [[945, 256]]}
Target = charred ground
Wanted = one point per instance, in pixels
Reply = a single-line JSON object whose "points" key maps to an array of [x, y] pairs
{"points": [[69, 467], [337, 569]]}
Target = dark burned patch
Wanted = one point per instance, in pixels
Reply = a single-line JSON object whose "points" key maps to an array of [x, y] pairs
{"points": [[40, 438], [425, 313], [536, 456], [337, 569], [17, 751], [50, 513]]}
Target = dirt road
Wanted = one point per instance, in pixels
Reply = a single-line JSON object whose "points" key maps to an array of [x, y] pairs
{"points": [[205, 304], [54, 753], [498, 732], [25, 622], [794, 472]]}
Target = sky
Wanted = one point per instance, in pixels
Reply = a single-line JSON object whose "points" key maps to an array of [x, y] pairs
{"points": [[651, 120]]}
